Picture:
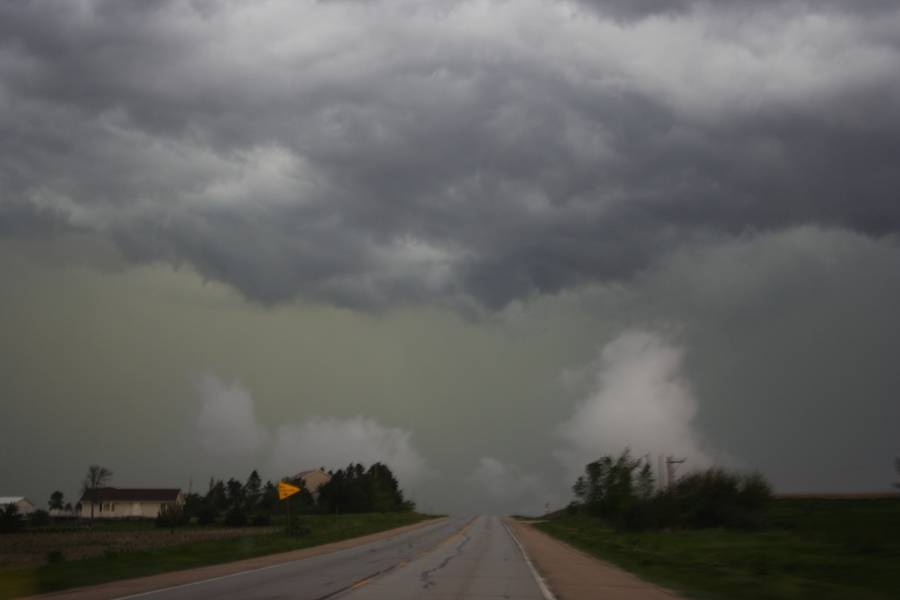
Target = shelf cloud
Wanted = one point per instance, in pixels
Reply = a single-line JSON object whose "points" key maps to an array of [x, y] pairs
{"points": [[464, 153]]}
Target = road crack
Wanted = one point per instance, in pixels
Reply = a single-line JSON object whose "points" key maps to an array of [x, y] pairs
{"points": [[425, 576]]}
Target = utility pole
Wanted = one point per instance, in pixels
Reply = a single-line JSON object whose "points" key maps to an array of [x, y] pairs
{"points": [[671, 461]]}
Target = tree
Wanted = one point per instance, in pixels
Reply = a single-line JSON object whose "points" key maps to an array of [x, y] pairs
{"points": [[193, 505], [608, 485], [10, 519], [620, 490], [39, 518], [645, 481], [357, 490], [234, 491], [269, 499], [252, 490], [216, 497], [171, 516], [213, 503], [56, 501], [95, 478]]}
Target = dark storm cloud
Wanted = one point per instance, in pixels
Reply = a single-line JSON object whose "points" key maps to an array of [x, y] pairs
{"points": [[374, 153], [638, 9]]}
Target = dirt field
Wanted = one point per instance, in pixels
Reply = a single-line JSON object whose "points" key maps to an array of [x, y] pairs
{"points": [[31, 549]]}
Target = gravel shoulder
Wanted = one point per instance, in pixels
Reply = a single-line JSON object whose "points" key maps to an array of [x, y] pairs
{"points": [[573, 575]]}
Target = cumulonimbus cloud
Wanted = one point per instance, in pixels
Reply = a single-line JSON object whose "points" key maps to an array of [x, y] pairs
{"points": [[338, 442], [226, 424], [506, 486], [228, 430], [637, 398], [395, 151]]}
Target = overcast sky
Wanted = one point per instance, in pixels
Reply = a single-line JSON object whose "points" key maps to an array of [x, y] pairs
{"points": [[483, 241]]}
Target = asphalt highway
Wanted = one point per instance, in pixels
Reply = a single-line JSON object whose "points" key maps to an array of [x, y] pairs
{"points": [[454, 558]]}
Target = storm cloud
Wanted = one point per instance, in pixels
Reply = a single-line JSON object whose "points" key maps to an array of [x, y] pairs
{"points": [[469, 153], [228, 429], [395, 229]]}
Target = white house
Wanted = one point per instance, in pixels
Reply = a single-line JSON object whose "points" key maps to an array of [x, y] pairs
{"points": [[117, 503], [313, 480], [24, 504]]}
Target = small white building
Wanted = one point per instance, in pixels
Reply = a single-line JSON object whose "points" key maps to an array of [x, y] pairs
{"points": [[24, 505], [119, 503], [313, 480]]}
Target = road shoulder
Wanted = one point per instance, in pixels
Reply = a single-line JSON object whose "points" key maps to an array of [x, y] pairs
{"points": [[574, 575], [141, 585]]}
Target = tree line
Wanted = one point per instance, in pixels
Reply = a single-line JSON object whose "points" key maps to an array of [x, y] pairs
{"points": [[234, 503], [622, 490], [249, 502]]}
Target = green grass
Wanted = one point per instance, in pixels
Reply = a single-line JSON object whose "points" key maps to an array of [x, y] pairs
{"points": [[815, 549], [90, 571]]}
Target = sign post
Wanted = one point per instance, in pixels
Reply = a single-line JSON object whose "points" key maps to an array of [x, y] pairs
{"points": [[285, 491]]}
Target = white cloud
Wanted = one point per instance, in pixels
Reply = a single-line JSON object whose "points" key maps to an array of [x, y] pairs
{"points": [[637, 399], [509, 487], [334, 443], [227, 428]]}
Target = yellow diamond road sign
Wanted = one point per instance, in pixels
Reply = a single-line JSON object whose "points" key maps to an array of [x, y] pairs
{"points": [[286, 490]]}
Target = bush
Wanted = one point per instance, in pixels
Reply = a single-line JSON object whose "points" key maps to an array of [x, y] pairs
{"points": [[261, 520], [717, 498], [171, 516], [39, 518], [235, 517], [617, 489], [620, 490], [10, 519], [207, 515], [298, 529], [55, 556]]}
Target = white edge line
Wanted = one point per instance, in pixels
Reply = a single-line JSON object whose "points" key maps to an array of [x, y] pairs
{"points": [[247, 572], [203, 581], [545, 591]]}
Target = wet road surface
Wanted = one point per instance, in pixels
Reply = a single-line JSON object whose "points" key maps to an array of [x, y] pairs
{"points": [[454, 558]]}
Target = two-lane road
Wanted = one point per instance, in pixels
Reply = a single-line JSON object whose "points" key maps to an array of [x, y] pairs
{"points": [[454, 558]]}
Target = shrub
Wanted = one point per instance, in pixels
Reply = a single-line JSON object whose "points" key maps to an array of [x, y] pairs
{"points": [[39, 518], [620, 490], [171, 516], [236, 517], [261, 520], [207, 515], [10, 519], [55, 556], [616, 488], [298, 529], [717, 498]]}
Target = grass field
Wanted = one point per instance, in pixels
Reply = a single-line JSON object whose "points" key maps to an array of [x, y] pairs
{"points": [[74, 573], [815, 549]]}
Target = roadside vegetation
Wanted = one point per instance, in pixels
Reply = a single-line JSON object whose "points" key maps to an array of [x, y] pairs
{"points": [[721, 535], [113, 565], [232, 520]]}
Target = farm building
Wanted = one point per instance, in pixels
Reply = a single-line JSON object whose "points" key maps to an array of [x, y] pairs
{"points": [[24, 505], [313, 480], [117, 503]]}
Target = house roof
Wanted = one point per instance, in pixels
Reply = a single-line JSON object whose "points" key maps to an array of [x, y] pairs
{"points": [[110, 494], [303, 474], [13, 499]]}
